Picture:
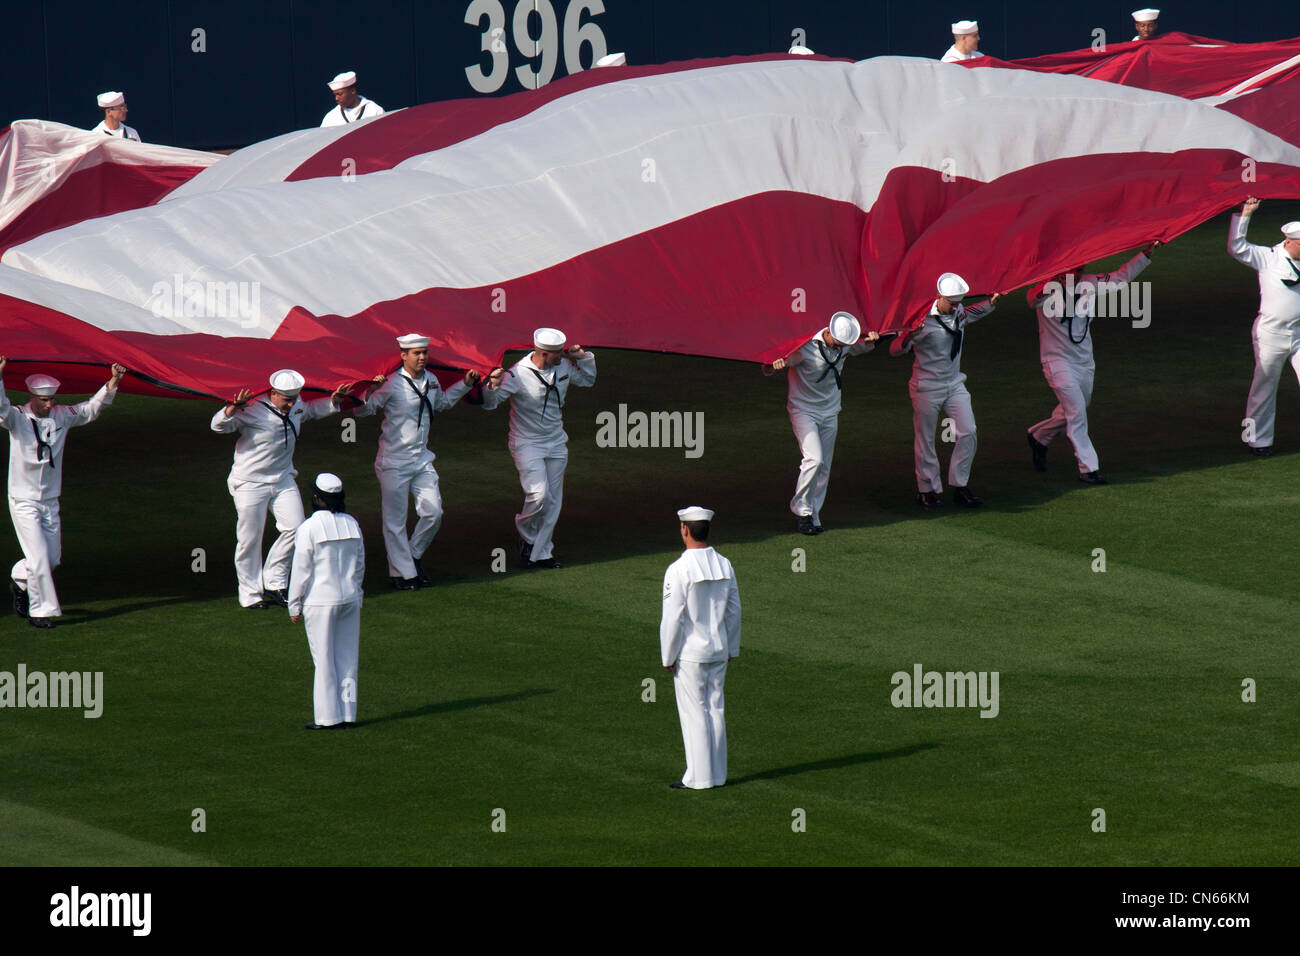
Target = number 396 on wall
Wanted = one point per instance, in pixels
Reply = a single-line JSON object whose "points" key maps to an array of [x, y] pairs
{"points": [[531, 15]]}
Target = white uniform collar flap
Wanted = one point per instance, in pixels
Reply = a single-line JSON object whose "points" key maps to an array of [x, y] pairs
{"points": [[335, 528], [705, 564]]}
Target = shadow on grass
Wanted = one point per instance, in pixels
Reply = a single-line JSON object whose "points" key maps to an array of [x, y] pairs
{"points": [[448, 706], [832, 763], [73, 615]]}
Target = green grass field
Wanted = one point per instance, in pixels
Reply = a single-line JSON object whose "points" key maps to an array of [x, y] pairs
{"points": [[523, 691]]}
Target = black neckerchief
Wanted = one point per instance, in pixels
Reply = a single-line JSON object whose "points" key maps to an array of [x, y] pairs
{"points": [[1074, 313], [424, 402], [550, 386], [832, 365], [42, 445], [284, 419], [1290, 283], [955, 331], [359, 115]]}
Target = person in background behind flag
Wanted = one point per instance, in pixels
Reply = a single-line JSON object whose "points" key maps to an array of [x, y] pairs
{"points": [[1145, 22], [965, 42], [114, 122], [351, 105], [38, 432], [699, 633]]}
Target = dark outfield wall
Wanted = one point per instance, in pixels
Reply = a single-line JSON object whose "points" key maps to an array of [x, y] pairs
{"points": [[211, 73]]}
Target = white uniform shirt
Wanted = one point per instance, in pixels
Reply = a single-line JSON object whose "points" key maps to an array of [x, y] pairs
{"points": [[408, 420], [954, 56], [329, 562], [701, 619], [264, 451], [1066, 338], [814, 376], [932, 343], [36, 444], [122, 132], [537, 398], [1279, 304], [341, 117]]}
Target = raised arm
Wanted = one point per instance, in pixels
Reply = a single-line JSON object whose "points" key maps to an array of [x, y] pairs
{"points": [[1244, 252], [83, 413]]}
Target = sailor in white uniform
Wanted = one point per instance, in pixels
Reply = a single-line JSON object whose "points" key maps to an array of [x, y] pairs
{"points": [[329, 565], [937, 384], [815, 381], [404, 464], [965, 42], [351, 105], [38, 432], [1066, 307], [1144, 21], [1276, 332], [698, 634], [536, 386], [113, 104], [262, 478]]}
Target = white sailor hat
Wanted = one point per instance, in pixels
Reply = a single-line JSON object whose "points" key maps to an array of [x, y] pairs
{"points": [[952, 286], [845, 329], [612, 59], [695, 513], [110, 99], [412, 340], [548, 340], [799, 50], [329, 483], [43, 385], [965, 27], [1292, 230], [343, 81], [1145, 15], [287, 382]]}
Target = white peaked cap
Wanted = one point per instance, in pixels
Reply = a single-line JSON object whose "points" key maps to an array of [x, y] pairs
{"points": [[329, 483], [412, 340], [1145, 15], [695, 513], [1291, 230], [965, 27], [110, 99], [343, 81], [612, 59], [845, 328], [800, 50], [952, 286], [548, 340], [287, 382], [44, 385]]}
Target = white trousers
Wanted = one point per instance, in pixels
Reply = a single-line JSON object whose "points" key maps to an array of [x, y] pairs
{"points": [[1073, 387], [395, 488], [252, 500], [541, 474], [698, 689], [816, 438], [40, 536], [954, 401], [334, 635], [1273, 351]]}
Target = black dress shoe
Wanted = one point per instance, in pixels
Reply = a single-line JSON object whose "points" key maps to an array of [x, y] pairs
{"points": [[1092, 478], [41, 622], [525, 552], [818, 529], [276, 596], [804, 524], [928, 499], [964, 499], [1262, 451], [22, 601], [421, 577], [677, 785], [406, 584], [547, 563], [1039, 452], [259, 606], [349, 724], [325, 727]]}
